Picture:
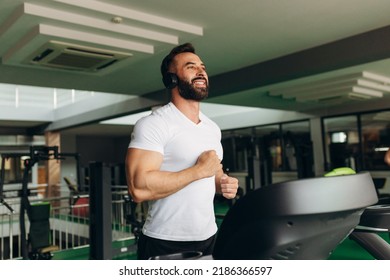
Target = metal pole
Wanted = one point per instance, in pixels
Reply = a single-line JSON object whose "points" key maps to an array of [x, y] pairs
{"points": [[100, 232]]}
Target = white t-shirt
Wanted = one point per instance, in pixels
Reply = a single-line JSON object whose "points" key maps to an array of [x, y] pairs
{"points": [[187, 215]]}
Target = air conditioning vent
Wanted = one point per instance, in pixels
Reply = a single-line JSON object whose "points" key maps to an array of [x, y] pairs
{"points": [[74, 57]]}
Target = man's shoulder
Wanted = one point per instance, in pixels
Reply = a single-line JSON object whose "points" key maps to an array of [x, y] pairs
{"points": [[163, 110], [157, 119]]}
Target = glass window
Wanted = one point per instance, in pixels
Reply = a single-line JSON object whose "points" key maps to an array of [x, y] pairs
{"points": [[375, 139], [12, 170], [341, 142], [266, 153], [237, 146], [287, 146], [270, 146], [298, 148]]}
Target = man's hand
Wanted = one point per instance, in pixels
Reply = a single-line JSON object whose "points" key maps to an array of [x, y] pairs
{"points": [[208, 164], [229, 186]]}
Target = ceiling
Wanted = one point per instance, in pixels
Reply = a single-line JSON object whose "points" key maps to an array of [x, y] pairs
{"points": [[255, 51]]}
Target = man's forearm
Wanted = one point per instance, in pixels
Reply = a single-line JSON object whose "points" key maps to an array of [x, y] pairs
{"points": [[152, 185]]}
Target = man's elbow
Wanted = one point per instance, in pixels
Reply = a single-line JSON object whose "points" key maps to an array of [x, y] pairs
{"points": [[134, 190], [137, 194]]}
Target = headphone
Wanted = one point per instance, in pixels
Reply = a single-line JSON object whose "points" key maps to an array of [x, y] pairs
{"points": [[170, 80]]}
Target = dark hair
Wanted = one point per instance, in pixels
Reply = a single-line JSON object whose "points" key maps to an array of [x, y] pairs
{"points": [[187, 47]]}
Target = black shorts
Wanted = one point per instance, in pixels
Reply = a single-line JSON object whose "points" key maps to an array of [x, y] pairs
{"points": [[150, 247]]}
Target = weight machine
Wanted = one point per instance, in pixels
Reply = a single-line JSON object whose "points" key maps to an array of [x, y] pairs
{"points": [[38, 244]]}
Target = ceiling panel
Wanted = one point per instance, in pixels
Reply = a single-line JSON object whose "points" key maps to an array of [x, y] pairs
{"points": [[253, 50]]}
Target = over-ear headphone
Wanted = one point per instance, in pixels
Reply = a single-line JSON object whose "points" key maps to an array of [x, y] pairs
{"points": [[170, 80]]}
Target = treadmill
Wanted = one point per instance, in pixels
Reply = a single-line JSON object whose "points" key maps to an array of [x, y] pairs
{"points": [[301, 219], [304, 219]]}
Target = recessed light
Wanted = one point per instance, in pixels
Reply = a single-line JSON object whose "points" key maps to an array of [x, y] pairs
{"points": [[117, 20]]}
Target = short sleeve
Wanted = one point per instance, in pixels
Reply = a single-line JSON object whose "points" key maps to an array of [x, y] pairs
{"points": [[149, 134]]}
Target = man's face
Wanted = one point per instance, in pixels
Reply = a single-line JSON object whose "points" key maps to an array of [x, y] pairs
{"points": [[193, 80]]}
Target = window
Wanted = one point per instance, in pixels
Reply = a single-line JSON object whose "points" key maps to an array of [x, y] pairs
{"points": [[341, 142], [297, 148], [375, 139]]}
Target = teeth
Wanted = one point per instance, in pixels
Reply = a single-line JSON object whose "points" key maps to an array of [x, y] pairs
{"points": [[199, 82]]}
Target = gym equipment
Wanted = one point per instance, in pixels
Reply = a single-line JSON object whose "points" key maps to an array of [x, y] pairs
{"points": [[191, 255], [40, 240], [100, 233], [2, 201], [37, 244], [132, 218], [100, 223], [375, 219], [77, 200], [300, 219], [340, 171]]}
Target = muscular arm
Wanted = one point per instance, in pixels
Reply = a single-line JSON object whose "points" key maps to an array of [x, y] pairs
{"points": [[146, 182]]}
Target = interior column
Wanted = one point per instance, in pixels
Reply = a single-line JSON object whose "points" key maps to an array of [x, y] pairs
{"points": [[53, 167]]}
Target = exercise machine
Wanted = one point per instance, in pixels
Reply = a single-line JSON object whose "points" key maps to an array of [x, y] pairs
{"points": [[37, 244], [302, 219], [299, 219], [375, 220], [100, 222]]}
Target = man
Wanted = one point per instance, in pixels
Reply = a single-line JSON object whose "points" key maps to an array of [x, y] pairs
{"points": [[174, 163], [387, 157]]}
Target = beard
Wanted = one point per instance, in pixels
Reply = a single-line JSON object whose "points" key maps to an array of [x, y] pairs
{"points": [[189, 92]]}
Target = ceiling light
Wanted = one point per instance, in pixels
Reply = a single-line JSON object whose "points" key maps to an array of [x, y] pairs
{"points": [[117, 20]]}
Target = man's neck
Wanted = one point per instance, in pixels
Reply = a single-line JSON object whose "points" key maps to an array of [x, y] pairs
{"points": [[189, 108]]}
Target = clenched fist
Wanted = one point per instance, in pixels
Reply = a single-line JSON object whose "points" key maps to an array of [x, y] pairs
{"points": [[229, 186], [208, 164]]}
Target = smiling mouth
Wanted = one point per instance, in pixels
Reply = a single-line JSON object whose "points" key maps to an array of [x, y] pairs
{"points": [[199, 82]]}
